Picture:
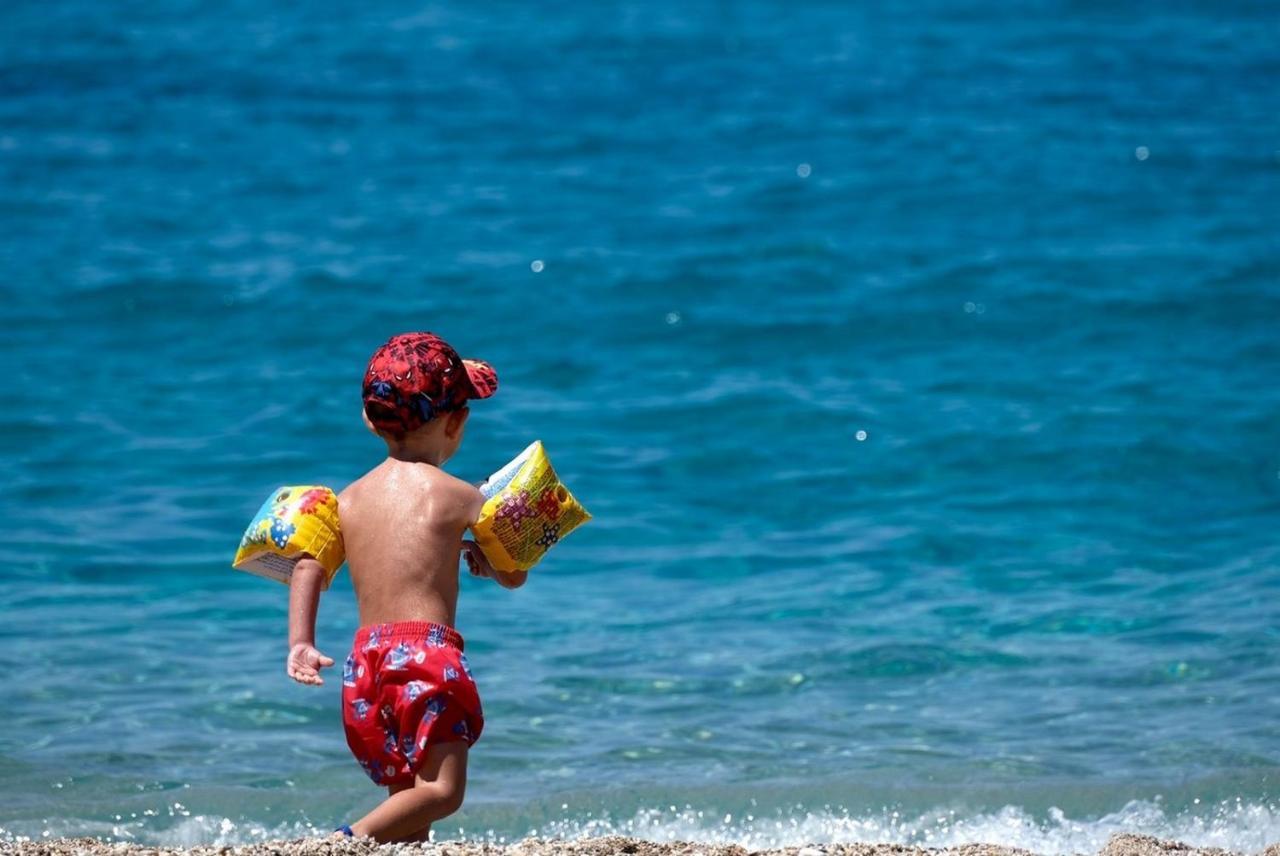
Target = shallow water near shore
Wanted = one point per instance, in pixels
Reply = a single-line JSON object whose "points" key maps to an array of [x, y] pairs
{"points": [[918, 366]]}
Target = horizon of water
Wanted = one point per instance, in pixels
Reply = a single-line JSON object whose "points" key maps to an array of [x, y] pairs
{"points": [[917, 365]]}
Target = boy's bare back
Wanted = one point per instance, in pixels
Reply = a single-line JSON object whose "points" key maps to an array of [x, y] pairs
{"points": [[402, 525]]}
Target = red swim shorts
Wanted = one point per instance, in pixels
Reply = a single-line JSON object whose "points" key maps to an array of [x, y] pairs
{"points": [[406, 686]]}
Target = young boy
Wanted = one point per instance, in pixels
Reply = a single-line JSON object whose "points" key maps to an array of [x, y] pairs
{"points": [[409, 706]]}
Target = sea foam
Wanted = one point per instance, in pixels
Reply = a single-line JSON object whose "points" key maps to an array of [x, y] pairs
{"points": [[1233, 825]]}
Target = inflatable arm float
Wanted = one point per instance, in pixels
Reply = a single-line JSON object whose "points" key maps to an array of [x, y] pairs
{"points": [[294, 520], [526, 511]]}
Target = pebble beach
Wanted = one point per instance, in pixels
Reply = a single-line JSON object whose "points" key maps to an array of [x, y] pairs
{"points": [[1118, 845]]}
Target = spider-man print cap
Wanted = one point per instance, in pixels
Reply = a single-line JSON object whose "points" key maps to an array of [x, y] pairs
{"points": [[415, 377]]}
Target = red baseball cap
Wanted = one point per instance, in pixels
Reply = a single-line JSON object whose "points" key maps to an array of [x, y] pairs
{"points": [[415, 377]]}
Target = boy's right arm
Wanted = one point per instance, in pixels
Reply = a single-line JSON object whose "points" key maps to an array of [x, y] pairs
{"points": [[477, 562], [479, 566], [305, 662]]}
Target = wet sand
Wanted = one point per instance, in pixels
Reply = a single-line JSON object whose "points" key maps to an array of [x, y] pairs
{"points": [[1119, 845]]}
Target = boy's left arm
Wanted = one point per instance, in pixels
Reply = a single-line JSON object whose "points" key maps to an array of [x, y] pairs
{"points": [[305, 662]]}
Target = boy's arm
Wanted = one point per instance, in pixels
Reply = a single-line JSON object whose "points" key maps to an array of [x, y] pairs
{"points": [[477, 562], [305, 662], [479, 566]]}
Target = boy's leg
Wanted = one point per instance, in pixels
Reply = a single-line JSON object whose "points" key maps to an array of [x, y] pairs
{"points": [[436, 793], [423, 834]]}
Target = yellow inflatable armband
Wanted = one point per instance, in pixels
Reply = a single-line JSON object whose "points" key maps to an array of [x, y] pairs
{"points": [[526, 511], [294, 520]]}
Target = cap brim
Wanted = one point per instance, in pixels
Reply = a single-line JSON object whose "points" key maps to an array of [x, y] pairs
{"points": [[484, 380]]}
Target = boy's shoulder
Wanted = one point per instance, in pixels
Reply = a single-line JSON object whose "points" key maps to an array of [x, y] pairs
{"points": [[414, 484], [463, 497]]}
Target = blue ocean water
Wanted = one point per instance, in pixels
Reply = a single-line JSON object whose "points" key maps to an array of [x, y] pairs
{"points": [[918, 364]]}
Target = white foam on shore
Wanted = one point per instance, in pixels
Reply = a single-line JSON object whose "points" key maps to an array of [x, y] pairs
{"points": [[1232, 825], [190, 831]]}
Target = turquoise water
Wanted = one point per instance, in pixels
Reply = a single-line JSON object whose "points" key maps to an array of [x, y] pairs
{"points": [[918, 365]]}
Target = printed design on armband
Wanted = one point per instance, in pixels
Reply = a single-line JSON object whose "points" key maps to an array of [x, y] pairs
{"points": [[280, 532], [259, 531], [313, 499], [515, 508], [550, 535], [549, 504]]}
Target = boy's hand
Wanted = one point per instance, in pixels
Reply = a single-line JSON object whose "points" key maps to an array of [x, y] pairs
{"points": [[305, 663], [479, 566]]}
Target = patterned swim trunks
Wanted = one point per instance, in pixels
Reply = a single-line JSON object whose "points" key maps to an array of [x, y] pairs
{"points": [[406, 686]]}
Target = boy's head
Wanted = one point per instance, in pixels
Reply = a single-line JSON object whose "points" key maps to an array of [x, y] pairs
{"points": [[415, 378]]}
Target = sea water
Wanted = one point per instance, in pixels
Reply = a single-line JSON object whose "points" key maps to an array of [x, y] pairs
{"points": [[917, 361]]}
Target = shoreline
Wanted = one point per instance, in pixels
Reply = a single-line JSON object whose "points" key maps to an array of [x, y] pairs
{"points": [[1121, 844]]}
